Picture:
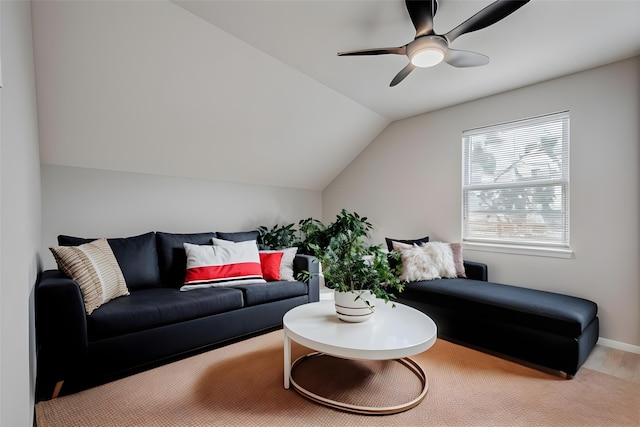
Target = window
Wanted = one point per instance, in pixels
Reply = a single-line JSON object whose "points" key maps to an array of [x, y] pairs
{"points": [[516, 183]]}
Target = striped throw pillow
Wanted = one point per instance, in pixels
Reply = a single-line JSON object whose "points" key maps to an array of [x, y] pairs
{"points": [[223, 265], [94, 267], [286, 265]]}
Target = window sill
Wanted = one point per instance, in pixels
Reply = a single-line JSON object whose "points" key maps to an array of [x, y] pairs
{"points": [[519, 250]]}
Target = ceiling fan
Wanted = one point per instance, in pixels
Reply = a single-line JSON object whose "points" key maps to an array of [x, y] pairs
{"points": [[429, 49]]}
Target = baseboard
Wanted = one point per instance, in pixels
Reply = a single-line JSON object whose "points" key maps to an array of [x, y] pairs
{"points": [[619, 345]]}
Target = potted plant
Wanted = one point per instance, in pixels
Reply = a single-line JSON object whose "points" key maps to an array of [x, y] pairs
{"points": [[309, 232], [358, 272], [312, 233], [277, 237]]}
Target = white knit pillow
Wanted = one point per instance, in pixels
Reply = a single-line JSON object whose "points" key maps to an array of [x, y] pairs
{"points": [[286, 265], [94, 267]]}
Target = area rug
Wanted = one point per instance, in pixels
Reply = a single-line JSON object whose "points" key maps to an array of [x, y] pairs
{"points": [[242, 385]]}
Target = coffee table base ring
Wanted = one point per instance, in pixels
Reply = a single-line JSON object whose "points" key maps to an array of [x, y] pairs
{"points": [[368, 410]]}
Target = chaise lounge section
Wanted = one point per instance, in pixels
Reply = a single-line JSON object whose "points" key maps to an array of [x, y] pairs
{"points": [[550, 330]]}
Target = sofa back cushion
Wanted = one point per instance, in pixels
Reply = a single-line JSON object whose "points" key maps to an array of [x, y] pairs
{"points": [[136, 255], [238, 236], [172, 258]]}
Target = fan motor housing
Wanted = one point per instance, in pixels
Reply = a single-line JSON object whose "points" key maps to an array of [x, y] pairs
{"points": [[426, 43]]}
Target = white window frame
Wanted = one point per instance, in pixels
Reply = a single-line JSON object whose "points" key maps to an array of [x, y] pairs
{"points": [[482, 228]]}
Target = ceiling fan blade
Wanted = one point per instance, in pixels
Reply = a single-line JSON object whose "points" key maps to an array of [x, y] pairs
{"points": [[402, 50], [402, 74], [463, 58], [487, 16], [421, 13]]}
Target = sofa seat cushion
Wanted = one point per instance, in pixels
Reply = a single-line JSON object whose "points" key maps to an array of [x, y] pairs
{"points": [[548, 311], [261, 293], [152, 308]]}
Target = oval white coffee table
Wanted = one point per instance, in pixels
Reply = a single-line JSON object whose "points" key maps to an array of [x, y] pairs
{"points": [[391, 334]]}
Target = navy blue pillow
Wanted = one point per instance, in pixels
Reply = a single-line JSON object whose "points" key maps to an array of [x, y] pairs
{"points": [[137, 257], [172, 258], [239, 236], [409, 242]]}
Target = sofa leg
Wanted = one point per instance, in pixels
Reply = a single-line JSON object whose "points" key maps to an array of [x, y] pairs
{"points": [[56, 389], [569, 376]]}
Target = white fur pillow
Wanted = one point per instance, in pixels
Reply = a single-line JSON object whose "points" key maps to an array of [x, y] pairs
{"points": [[433, 260], [417, 265]]}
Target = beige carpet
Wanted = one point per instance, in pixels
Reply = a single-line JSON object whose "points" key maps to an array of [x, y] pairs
{"points": [[242, 384]]}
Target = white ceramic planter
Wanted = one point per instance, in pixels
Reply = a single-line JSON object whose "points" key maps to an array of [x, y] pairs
{"points": [[352, 306]]}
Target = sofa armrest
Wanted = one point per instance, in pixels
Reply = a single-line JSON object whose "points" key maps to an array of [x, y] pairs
{"points": [[309, 263], [476, 270], [61, 329]]}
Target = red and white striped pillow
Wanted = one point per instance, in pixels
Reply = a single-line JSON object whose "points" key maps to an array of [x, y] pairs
{"points": [[285, 264], [222, 265]]}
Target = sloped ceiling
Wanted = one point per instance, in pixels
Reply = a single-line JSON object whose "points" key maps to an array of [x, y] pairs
{"points": [[253, 92], [542, 40], [148, 87]]}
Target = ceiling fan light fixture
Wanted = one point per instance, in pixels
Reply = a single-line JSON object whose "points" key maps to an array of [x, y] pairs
{"points": [[427, 51], [429, 48], [427, 57]]}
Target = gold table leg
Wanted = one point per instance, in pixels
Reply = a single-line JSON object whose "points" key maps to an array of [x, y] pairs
{"points": [[369, 410]]}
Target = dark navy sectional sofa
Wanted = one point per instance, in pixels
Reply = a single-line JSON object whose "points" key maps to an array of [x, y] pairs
{"points": [[157, 322]]}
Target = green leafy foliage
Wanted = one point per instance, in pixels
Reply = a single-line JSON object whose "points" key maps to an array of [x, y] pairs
{"points": [[312, 233], [350, 263], [277, 237]]}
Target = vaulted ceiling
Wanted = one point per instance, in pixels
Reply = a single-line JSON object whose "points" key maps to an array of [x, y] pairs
{"points": [[253, 91]]}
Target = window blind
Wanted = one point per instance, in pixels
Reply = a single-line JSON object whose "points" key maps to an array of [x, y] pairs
{"points": [[516, 182]]}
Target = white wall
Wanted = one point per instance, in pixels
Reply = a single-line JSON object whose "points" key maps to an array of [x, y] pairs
{"points": [[99, 203], [148, 87], [19, 215], [408, 182]]}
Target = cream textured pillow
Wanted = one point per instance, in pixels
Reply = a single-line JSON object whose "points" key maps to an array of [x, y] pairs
{"points": [[94, 267]]}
